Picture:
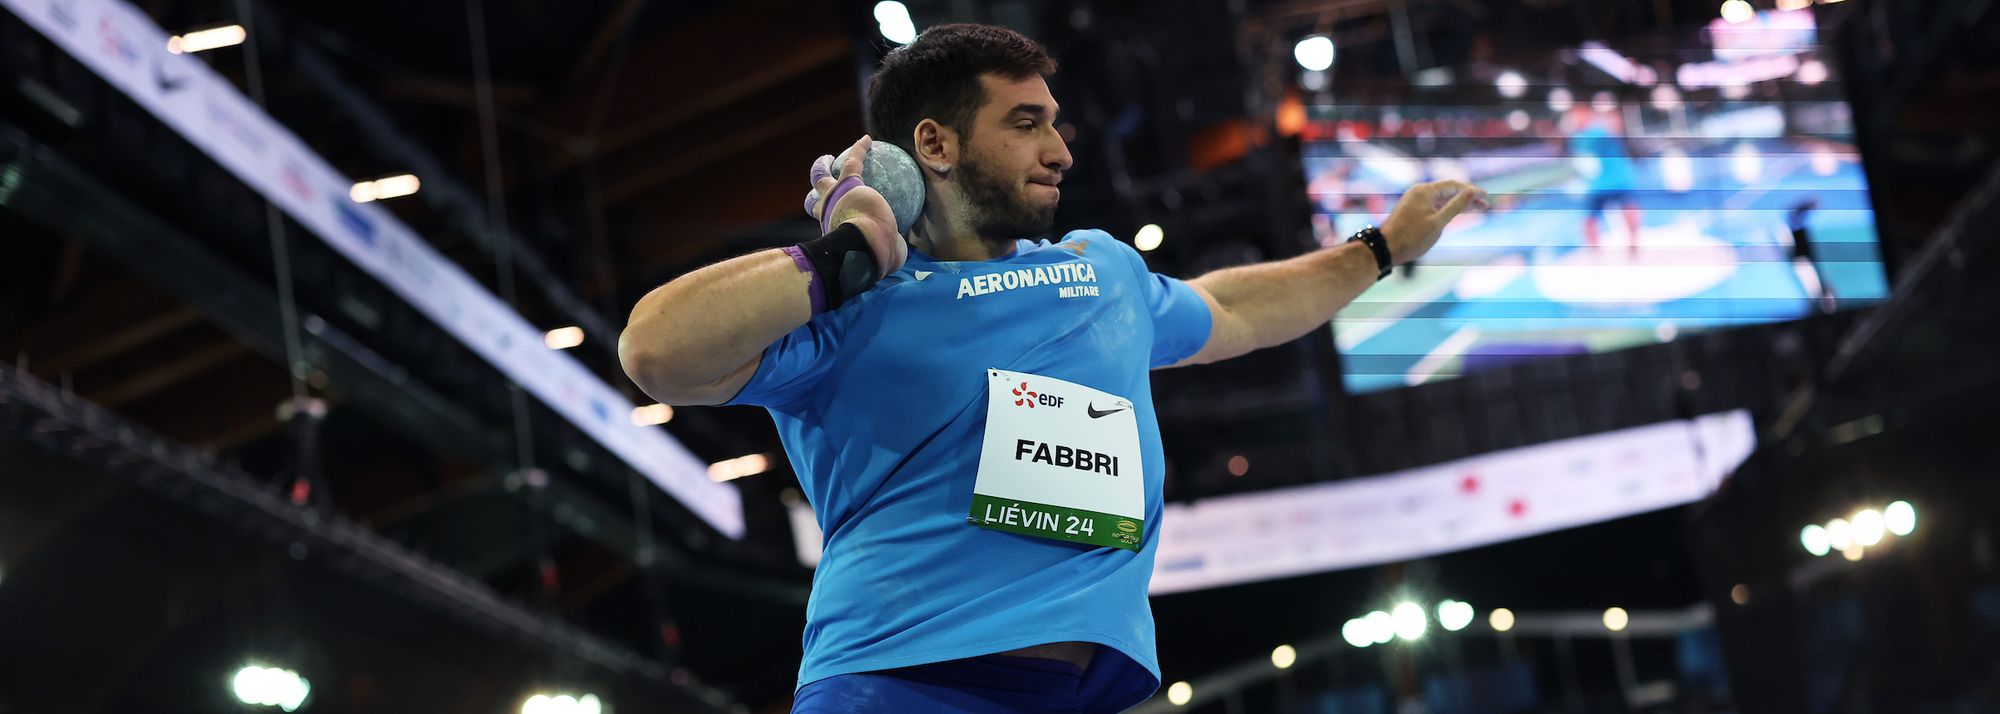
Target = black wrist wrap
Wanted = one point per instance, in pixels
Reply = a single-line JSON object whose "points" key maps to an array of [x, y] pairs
{"points": [[842, 262]]}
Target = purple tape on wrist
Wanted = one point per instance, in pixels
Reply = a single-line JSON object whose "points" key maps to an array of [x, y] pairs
{"points": [[833, 199], [817, 288]]}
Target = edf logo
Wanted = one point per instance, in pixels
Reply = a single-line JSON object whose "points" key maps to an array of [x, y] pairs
{"points": [[1025, 397]]}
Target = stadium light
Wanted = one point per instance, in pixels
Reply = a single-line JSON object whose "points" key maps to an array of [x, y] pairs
{"points": [[1839, 534], [1615, 619], [1409, 620], [562, 703], [563, 338], [1314, 53], [1356, 633], [652, 415], [205, 40], [893, 19], [1737, 11], [1900, 518], [271, 687], [1284, 656], [388, 187], [1868, 527], [1811, 72], [1150, 236], [1502, 619], [1745, 163], [1381, 627], [1815, 539], [1180, 693], [1511, 84], [1454, 615], [739, 467], [1560, 99], [1665, 97]]}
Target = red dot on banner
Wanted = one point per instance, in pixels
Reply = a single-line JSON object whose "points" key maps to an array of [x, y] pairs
{"points": [[1517, 508], [1470, 484]]}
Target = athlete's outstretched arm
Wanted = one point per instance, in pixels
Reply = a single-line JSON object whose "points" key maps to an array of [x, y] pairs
{"points": [[1266, 304]]}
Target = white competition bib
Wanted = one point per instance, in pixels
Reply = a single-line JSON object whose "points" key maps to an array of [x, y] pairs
{"points": [[1060, 460]]}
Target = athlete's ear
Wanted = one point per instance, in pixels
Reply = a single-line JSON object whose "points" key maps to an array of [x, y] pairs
{"points": [[937, 147]]}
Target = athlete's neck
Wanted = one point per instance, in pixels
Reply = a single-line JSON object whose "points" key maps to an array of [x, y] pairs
{"points": [[941, 241]]}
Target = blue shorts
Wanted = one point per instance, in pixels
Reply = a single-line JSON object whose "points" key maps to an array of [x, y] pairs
{"points": [[996, 684]]}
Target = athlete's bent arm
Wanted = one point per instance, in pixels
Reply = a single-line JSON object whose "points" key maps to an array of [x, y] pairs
{"points": [[1258, 306], [698, 339]]}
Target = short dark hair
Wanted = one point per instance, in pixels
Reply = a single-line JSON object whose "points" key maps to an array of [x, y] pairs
{"points": [[937, 77]]}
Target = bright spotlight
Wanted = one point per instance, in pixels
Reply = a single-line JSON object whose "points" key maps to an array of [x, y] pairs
{"points": [[1815, 539], [739, 467], [1356, 633], [589, 704], [1867, 526], [563, 338], [538, 704], [1560, 99], [1794, 4], [388, 187], [1665, 97], [1512, 85], [1150, 236], [1615, 619], [1811, 72], [1900, 518], [1180, 693], [1745, 163], [1737, 11], [1839, 534], [893, 19], [1501, 619], [1454, 615], [1284, 656], [1381, 627], [1824, 162], [1315, 52], [204, 40], [652, 415], [271, 687], [1409, 620]]}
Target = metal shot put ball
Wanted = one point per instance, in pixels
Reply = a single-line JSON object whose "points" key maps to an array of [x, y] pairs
{"points": [[891, 172]]}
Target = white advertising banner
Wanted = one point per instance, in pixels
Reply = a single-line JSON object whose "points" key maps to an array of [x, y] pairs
{"points": [[122, 44], [1448, 507]]}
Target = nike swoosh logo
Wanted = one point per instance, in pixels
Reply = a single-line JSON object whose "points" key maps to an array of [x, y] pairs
{"points": [[1094, 413], [921, 274]]}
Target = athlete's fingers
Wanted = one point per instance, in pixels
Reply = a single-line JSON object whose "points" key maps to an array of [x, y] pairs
{"points": [[852, 166]]}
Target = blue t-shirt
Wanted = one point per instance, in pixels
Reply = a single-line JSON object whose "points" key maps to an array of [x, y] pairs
{"points": [[1616, 171], [881, 405]]}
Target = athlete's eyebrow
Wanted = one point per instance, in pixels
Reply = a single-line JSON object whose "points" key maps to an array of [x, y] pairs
{"points": [[1035, 110]]}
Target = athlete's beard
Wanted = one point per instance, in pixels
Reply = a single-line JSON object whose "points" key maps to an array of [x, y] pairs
{"points": [[998, 207]]}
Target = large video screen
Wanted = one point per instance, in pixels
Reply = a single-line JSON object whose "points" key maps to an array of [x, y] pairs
{"points": [[1642, 190]]}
